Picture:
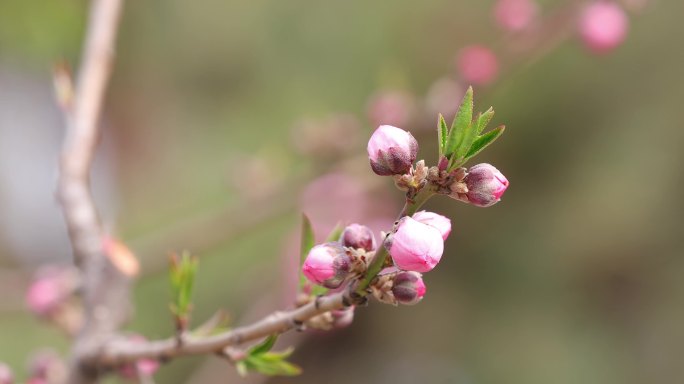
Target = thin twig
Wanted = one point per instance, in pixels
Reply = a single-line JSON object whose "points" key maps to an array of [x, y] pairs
{"points": [[124, 351]]}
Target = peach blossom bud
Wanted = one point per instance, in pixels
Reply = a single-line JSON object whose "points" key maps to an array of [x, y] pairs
{"points": [[408, 287], [441, 223], [327, 265], [343, 317], [391, 151], [359, 237], [49, 290], [515, 15], [6, 376], [485, 184], [477, 65], [416, 246], [603, 26], [142, 367]]}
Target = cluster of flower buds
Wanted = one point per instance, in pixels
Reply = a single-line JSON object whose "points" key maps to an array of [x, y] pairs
{"points": [[331, 264], [394, 286]]}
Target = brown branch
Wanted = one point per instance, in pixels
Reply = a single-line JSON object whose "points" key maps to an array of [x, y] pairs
{"points": [[105, 288], [124, 351]]}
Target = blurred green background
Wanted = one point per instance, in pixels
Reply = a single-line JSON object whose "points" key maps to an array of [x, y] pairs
{"points": [[575, 277]]}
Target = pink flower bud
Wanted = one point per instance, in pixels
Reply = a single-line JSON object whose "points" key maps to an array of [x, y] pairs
{"points": [[49, 290], [6, 376], [485, 184], [408, 287], [391, 151], [327, 264], [441, 223], [359, 237], [416, 246], [142, 367], [477, 65], [515, 15], [343, 317], [603, 26]]}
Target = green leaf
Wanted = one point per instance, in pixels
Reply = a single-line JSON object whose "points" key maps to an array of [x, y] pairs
{"points": [[241, 367], [182, 276], [264, 346], [307, 239], [335, 234], [483, 141], [442, 134], [460, 127], [276, 367], [306, 243], [483, 119]]}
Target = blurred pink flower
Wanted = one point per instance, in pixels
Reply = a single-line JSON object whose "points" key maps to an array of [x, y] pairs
{"points": [[515, 15], [603, 26], [416, 246], [51, 287], [391, 108], [477, 65], [6, 376], [443, 96]]}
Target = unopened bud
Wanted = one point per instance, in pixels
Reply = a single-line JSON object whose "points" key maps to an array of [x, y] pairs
{"points": [[485, 184], [391, 151], [6, 376], [50, 289], [45, 366], [416, 246], [603, 26], [358, 236], [439, 222], [142, 367], [343, 317], [327, 265], [408, 287]]}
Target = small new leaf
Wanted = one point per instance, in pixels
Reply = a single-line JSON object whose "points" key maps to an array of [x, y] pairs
{"points": [[260, 359], [182, 276], [485, 140], [442, 134], [264, 346], [483, 119], [306, 243], [461, 125]]}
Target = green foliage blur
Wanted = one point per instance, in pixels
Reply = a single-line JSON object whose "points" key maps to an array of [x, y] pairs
{"points": [[574, 277]]}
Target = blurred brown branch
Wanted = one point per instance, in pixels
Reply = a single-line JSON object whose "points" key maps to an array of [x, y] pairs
{"points": [[105, 288]]}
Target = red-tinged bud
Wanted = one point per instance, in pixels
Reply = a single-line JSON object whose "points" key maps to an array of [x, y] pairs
{"points": [[358, 236], [142, 367], [343, 317], [408, 287], [485, 184], [45, 366], [477, 65], [603, 26], [6, 376], [515, 15], [391, 151], [441, 223], [327, 265], [416, 246]]}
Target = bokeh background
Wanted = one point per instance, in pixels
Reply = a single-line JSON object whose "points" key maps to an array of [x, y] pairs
{"points": [[225, 120]]}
